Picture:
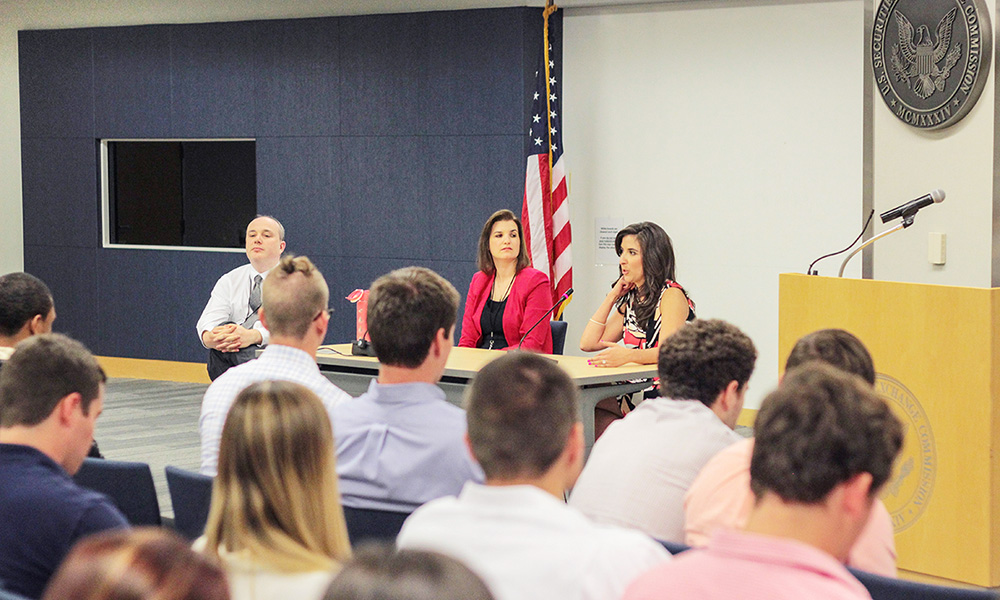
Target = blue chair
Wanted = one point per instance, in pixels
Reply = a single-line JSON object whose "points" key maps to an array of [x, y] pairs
{"points": [[558, 336], [191, 496], [674, 547], [128, 484], [371, 525], [887, 588]]}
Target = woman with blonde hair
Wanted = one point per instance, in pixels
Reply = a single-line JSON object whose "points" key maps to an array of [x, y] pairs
{"points": [[276, 522]]}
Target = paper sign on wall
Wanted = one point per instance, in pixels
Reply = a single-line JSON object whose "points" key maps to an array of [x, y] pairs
{"points": [[605, 230]]}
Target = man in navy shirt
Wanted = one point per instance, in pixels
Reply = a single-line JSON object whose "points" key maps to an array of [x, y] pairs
{"points": [[51, 393]]}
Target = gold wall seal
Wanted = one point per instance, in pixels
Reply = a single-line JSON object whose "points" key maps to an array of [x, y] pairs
{"points": [[909, 490]]}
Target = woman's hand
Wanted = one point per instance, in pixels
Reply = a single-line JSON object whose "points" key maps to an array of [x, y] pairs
{"points": [[620, 288], [613, 355]]}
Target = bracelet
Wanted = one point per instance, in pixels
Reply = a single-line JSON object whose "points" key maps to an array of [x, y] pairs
{"points": [[597, 323]]}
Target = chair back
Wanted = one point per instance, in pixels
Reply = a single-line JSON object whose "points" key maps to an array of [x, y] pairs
{"points": [[674, 547], [191, 496], [128, 484], [369, 524], [888, 588], [558, 336], [5, 595]]}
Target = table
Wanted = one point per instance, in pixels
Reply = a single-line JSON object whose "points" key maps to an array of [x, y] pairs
{"points": [[353, 373]]}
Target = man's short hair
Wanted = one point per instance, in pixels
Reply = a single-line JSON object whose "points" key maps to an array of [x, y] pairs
{"points": [[43, 370], [281, 228], [836, 347], [820, 428], [406, 309], [22, 296], [699, 360], [520, 409], [293, 294]]}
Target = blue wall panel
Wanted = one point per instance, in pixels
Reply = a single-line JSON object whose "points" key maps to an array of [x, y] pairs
{"points": [[57, 81], [297, 78], [382, 141], [467, 92], [296, 183], [60, 202], [474, 176], [387, 210], [213, 70], [135, 279], [385, 70], [70, 275], [132, 82]]}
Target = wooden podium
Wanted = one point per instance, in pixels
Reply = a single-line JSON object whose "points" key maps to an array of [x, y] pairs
{"points": [[937, 354]]}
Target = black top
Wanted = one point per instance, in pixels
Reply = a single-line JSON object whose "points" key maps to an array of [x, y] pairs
{"points": [[491, 324]]}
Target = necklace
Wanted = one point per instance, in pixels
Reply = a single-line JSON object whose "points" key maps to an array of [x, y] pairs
{"points": [[495, 309], [493, 289]]}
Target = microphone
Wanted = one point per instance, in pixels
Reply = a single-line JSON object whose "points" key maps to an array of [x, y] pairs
{"points": [[910, 208], [565, 295]]}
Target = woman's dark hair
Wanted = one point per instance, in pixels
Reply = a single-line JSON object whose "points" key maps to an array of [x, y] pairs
{"points": [[137, 564], [378, 572], [836, 347], [485, 259], [657, 267]]}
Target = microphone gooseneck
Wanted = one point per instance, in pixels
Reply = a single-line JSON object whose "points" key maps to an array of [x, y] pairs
{"points": [[565, 295]]}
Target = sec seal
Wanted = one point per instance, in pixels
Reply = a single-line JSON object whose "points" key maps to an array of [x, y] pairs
{"points": [[931, 58], [908, 491]]}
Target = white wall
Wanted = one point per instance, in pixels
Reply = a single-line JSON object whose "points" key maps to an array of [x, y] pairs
{"points": [[908, 163], [737, 127]]}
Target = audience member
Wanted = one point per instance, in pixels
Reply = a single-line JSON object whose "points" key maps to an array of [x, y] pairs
{"points": [[275, 520], [141, 564], [230, 326], [295, 311], [402, 444], [720, 496], [825, 447], [380, 573], [26, 309], [640, 469], [51, 393], [515, 531]]}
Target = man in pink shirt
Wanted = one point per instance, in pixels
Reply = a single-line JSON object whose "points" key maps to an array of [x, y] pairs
{"points": [[825, 446], [720, 497]]}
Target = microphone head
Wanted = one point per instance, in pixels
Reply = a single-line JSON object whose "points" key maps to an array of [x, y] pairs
{"points": [[937, 195]]}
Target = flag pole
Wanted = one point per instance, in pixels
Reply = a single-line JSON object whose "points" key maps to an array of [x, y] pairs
{"points": [[550, 8]]}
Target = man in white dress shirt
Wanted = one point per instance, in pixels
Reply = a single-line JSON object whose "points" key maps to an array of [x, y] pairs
{"points": [[294, 310], [515, 531], [641, 468], [230, 326]]}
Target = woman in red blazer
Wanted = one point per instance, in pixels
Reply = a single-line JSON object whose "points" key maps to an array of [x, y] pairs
{"points": [[506, 297]]}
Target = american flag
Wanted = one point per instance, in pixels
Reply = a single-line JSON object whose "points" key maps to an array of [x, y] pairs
{"points": [[545, 212]]}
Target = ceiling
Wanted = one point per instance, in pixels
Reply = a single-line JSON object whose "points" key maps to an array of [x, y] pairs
{"points": [[46, 14]]}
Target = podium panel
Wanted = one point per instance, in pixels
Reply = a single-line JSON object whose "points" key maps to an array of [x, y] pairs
{"points": [[935, 352]]}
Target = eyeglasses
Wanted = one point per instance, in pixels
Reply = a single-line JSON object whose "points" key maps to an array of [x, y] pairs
{"points": [[328, 311]]}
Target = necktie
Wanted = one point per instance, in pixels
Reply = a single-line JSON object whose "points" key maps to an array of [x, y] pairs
{"points": [[254, 302]]}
